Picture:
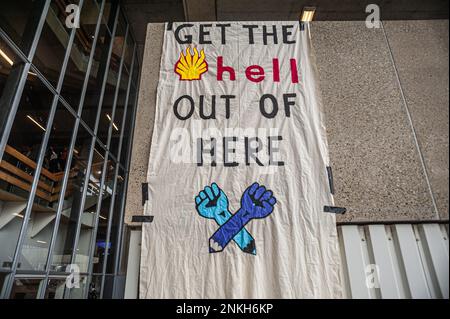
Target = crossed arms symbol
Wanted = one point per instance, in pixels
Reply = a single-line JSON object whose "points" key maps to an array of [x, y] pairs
{"points": [[212, 203]]}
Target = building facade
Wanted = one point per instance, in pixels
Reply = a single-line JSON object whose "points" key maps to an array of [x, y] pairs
{"points": [[68, 94]]}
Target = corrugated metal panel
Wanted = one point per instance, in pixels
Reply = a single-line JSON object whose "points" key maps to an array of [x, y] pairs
{"points": [[395, 261]]}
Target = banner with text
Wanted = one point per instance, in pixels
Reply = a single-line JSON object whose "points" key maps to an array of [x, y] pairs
{"points": [[238, 168]]}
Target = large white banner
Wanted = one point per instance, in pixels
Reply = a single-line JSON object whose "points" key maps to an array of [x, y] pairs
{"points": [[237, 174]]}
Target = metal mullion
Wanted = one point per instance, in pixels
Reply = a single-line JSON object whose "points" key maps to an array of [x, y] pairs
{"points": [[22, 79], [60, 205], [105, 78], [122, 203], [111, 208], [121, 136], [91, 248], [116, 93], [97, 214], [125, 188], [133, 123], [85, 181], [37, 172], [83, 198], [92, 152], [70, 156], [113, 195], [91, 59], [108, 232]]}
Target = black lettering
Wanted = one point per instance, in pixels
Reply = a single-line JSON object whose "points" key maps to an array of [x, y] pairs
{"points": [[204, 33], [250, 28], [175, 107], [272, 34], [288, 103], [222, 31], [262, 107], [187, 38], [286, 32]]}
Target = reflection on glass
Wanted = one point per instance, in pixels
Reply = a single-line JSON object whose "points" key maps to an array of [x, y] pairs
{"points": [[129, 52], [108, 289], [94, 88], [128, 123], [115, 223], [25, 288], [72, 201], [18, 165], [94, 287], [53, 42], [78, 292], [8, 61], [111, 82], [79, 55], [90, 209], [2, 279], [19, 19], [55, 289], [119, 112], [100, 248], [40, 229]]}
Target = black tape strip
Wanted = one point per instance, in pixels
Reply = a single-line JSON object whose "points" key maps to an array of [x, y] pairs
{"points": [[330, 179], [141, 219], [334, 209], [302, 26], [169, 26], [144, 193]]}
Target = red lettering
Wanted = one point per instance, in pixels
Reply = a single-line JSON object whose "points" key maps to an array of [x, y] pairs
{"points": [[294, 72], [221, 68], [276, 70], [254, 73]]}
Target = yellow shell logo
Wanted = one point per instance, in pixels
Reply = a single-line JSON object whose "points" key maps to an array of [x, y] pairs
{"points": [[191, 66]]}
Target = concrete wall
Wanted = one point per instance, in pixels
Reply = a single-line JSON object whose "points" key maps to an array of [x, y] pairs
{"points": [[385, 93]]}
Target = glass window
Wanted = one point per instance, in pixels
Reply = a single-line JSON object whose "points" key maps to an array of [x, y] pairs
{"points": [[53, 42], [78, 293], [11, 67], [109, 13], [95, 287], [72, 200], [79, 55], [128, 123], [90, 209], [3, 276], [8, 61], [25, 288], [35, 248], [111, 82], [19, 19], [19, 163], [119, 113], [108, 291], [116, 218], [100, 248], [96, 75], [129, 52], [55, 289]]}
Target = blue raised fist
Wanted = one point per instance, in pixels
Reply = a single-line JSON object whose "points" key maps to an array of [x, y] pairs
{"points": [[257, 201], [212, 202]]}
